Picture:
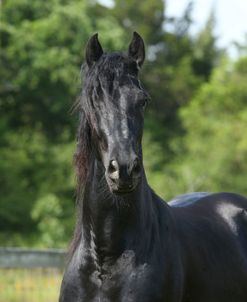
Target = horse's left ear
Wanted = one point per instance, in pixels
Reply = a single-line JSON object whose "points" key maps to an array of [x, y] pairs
{"points": [[93, 50], [136, 49]]}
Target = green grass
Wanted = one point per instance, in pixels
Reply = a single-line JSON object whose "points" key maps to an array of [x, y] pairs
{"points": [[29, 285]]}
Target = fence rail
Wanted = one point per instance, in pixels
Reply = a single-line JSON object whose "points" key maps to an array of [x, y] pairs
{"points": [[30, 258]]}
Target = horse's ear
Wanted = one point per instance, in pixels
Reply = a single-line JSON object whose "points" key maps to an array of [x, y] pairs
{"points": [[93, 50], [136, 49]]}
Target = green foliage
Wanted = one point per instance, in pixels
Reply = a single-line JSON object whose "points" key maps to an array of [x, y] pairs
{"points": [[214, 149], [131, 15], [206, 54], [30, 167], [49, 213]]}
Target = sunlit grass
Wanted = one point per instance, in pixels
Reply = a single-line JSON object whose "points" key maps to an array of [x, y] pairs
{"points": [[29, 285]]}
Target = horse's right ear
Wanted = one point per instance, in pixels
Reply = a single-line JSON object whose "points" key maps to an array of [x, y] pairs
{"points": [[93, 50]]}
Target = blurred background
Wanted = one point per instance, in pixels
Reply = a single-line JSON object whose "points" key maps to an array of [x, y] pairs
{"points": [[195, 126]]}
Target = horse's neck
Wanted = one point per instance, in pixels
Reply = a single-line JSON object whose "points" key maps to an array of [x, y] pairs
{"points": [[112, 224]]}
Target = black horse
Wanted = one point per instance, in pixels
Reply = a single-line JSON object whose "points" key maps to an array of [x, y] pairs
{"points": [[129, 245]]}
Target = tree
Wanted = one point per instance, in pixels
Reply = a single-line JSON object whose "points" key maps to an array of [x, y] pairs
{"points": [[145, 16], [206, 54], [213, 156]]}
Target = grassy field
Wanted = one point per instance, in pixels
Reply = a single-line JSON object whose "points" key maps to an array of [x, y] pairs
{"points": [[29, 285]]}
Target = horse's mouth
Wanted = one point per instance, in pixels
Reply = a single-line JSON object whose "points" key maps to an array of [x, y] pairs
{"points": [[123, 187], [122, 191]]}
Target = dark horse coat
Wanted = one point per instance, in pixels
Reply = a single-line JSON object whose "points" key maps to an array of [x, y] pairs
{"points": [[129, 245]]}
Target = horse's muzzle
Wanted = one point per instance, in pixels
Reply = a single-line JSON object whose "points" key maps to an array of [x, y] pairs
{"points": [[123, 178]]}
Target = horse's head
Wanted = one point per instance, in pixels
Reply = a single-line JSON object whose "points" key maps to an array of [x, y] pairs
{"points": [[113, 105]]}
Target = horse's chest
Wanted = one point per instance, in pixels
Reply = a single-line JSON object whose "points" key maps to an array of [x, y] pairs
{"points": [[124, 281]]}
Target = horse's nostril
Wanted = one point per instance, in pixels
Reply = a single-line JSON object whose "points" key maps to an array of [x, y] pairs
{"points": [[113, 170], [113, 166]]}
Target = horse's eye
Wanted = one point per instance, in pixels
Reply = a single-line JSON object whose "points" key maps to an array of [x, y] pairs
{"points": [[143, 103]]}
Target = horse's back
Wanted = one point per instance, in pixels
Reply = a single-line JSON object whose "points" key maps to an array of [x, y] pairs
{"points": [[212, 228], [229, 207], [225, 213], [187, 199]]}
